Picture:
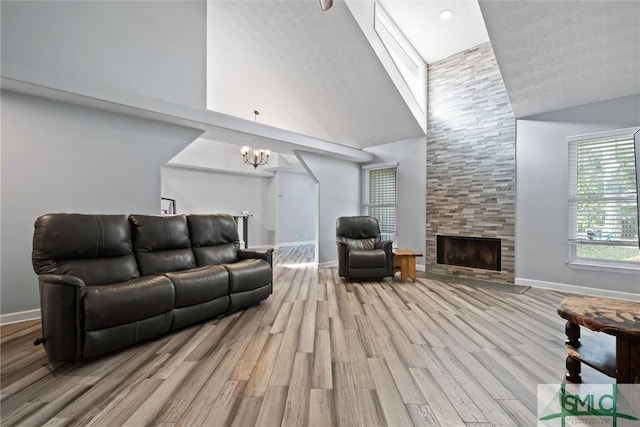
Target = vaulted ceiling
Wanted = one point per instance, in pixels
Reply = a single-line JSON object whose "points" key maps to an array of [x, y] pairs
{"points": [[315, 73], [306, 71], [559, 54]]}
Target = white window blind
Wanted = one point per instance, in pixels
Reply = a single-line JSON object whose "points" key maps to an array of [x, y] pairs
{"points": [[602, 198], [379, 198]]}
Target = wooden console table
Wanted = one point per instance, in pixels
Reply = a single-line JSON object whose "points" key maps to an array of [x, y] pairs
{"points": [[615, 353], [404, 261]]}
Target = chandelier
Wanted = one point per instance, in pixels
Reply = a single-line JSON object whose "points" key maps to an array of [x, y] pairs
{"points": [[255, 157]]}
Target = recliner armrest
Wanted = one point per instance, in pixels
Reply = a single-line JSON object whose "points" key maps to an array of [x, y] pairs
{"points": [[343, 250], [61, 315], [265, 254], [384, 244], [343, 259], [61, 279]]}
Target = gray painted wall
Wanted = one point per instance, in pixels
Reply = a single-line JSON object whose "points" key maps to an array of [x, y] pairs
{"points": [[123, 50], [338, 186], [411, 182], [542, 193], [295, 212], [202, 192], [61, 158]]}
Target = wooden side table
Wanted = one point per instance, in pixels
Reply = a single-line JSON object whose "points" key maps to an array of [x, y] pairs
{"points": [[404, 261], [619, 355]]}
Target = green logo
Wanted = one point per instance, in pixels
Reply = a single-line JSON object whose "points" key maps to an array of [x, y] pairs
{"points": [[601, 404]]}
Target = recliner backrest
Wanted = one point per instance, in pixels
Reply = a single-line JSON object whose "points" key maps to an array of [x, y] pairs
{"points": [[161, 243], [95, 248], [358, 232], [214, 238]]}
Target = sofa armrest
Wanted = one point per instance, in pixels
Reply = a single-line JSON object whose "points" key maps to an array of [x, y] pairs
{"points": [[57, 279], [266, 254], [61, 306]]}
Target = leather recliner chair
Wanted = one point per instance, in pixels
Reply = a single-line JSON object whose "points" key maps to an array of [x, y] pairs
{"points": [[362, 254]]}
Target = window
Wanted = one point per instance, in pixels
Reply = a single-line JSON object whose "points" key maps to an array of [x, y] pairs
{"points": [[379, 197], [603, 206]]}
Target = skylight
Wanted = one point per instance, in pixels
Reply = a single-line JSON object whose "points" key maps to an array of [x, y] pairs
{"points": [[406, 59]]}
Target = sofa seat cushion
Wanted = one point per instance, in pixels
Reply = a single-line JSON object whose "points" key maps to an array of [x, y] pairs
{"points": [[248, 274], [131, 301], [113, 338], [373, 258], [185, 316], [199, 285], [239, 300]]}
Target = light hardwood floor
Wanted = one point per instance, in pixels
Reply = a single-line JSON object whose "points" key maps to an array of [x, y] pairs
{"points": [[317, 352]]}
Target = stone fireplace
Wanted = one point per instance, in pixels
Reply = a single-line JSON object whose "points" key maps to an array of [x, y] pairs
{"points": [[473, 252], [471, 175]]}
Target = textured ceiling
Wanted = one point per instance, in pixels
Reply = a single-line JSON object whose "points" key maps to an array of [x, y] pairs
{"points": [[433, 38], [560, 54], [306, 71]]}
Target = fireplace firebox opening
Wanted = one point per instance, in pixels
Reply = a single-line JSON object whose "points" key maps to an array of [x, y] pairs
{"points": [[474, 252]]}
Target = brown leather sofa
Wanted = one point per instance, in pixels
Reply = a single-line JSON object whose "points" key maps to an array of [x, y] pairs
{"points": [[110, 281], [362, 254]]}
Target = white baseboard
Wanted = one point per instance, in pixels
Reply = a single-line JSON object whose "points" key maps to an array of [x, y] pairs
{"points": [[19, 316], [420, 267], [306, 242], [328, 264], [581, 290]]}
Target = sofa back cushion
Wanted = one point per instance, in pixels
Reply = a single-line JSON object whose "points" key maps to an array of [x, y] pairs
{"points": [[161, 243], [95, 248], [214, 238]]}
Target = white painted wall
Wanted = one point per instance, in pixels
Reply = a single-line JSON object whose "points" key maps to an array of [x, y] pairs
{"points": [[542, 194], [203, 191], [61, 158], [296, 213], [148, 55], [338, 194], [411, 184], [124, 51]]}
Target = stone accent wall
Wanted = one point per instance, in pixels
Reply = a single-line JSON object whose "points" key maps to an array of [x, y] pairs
{"points": [[470, 158]]}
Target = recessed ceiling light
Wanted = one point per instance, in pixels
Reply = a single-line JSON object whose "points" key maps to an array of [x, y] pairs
{"points": [[445, 15]]}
